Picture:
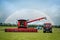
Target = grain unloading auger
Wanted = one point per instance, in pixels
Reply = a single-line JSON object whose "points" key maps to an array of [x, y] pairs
{"points": [[22, 26]]}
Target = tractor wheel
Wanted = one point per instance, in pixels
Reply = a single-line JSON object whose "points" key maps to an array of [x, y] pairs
{"points": [[50, 31], [44, 31], [5, 30]]}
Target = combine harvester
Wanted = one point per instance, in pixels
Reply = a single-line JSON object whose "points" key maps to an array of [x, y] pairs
{"points": [[22, 26]]}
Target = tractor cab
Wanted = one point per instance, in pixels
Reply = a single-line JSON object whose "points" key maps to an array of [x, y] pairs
{"points": [[47, 27]]}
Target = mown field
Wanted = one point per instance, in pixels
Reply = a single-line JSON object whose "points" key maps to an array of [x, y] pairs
{"points": [[29, 35]]}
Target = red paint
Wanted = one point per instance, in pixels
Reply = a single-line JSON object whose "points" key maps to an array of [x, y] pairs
{"points": [[18, 23], [20, 30], [25, 24]]}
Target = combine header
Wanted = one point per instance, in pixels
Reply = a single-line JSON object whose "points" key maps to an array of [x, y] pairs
{"points": [[22, 26]]}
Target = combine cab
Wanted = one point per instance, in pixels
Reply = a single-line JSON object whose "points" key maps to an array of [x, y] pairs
{"points": [[47, 27]]}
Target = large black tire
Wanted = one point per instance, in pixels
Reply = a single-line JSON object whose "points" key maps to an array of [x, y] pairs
{"points": [[5, 30], [44, 31], [50, 31]]}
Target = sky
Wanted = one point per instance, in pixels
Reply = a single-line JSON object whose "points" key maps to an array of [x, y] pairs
{"points": [[12, 10]]}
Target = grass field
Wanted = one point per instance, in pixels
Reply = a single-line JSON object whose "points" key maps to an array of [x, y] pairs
{"points": [[29, 36]]}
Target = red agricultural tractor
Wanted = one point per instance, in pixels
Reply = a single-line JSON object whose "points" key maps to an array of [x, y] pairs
{"points": [[47, 27], [22, 26]]}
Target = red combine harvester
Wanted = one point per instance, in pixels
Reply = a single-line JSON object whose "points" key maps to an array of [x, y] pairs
{"points": [[22, 26]]}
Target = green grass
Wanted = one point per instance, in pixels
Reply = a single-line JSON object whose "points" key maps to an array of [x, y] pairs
{"points": [[29, 35]]}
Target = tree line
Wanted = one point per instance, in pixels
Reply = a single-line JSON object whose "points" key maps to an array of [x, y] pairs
{"points": [[33, 25]]}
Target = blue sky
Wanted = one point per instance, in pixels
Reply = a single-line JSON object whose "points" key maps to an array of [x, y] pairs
{"points": [[49, 7]]}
